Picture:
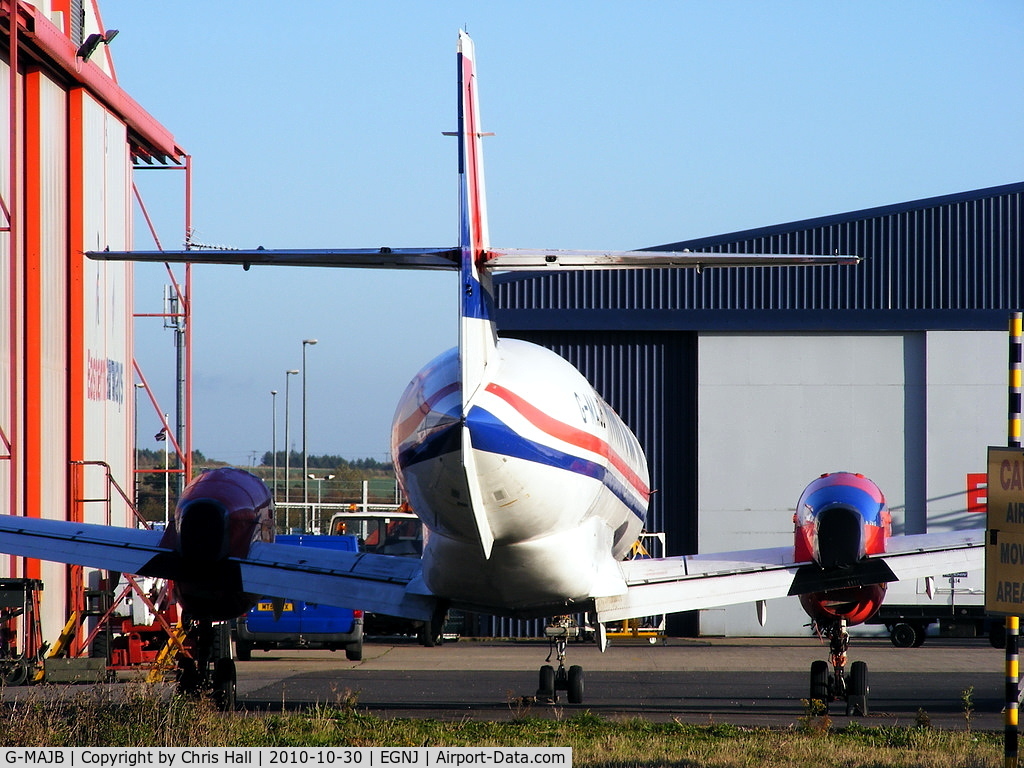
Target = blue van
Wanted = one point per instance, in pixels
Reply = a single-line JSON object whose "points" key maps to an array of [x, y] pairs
{"points": [[301, 624]]}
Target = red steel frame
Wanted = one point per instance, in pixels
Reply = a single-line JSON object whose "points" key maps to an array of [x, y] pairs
{"points": [[33, 38]]}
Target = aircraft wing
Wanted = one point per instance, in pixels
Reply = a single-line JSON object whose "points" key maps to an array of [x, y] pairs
{"points": [[384, 584], [691, 582], [126, 550]]}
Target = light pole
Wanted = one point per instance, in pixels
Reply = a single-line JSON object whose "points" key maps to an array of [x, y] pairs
{"points": [[287, 452], [273, 421], [167, 474], [319, 496], [305, 463], [135, 436]]}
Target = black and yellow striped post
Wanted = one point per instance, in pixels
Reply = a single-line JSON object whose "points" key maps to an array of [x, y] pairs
{"points": [[1013, 435], [1013, 440], [1012, 687]]}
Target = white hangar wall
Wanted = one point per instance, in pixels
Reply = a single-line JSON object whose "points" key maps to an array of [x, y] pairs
{"points": [[68, 135], [909, 410]]}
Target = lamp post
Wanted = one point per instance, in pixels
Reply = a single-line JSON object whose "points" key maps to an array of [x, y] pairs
{"points": [[305, 463], [287, 452], [167, 473], [319, 496], [273, 421], [135, 438]]}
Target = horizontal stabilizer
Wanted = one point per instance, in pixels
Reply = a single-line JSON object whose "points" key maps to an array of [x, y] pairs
{"points": [[378, 258], [495, 259], [813, 578], [523, 259]]}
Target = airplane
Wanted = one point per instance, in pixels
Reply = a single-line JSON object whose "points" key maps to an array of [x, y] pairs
{"points": [[531, 487]]}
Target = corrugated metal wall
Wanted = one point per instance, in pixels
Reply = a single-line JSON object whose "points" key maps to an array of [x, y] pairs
{"points": [[957, 252], [49, 299], [108, 308]]}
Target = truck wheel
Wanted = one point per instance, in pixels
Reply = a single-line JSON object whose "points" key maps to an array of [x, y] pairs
{"points": [[920, 634], [997, 634], [903, 635]]}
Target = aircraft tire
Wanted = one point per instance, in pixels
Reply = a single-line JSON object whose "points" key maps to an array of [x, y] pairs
{"points": [[243, 650], [225, 685], [546, 685], [857, 692], [354, 651], [575, 690], [819, 682], [188, 677]]}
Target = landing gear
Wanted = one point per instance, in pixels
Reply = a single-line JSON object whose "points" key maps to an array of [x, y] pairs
{"points": [[837, 686], [560, 631], [208, 668]]}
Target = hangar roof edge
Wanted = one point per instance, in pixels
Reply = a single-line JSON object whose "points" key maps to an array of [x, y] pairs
{"points": [[839, 218]]}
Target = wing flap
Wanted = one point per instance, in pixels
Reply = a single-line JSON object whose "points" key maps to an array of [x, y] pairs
{"points": [[379, 583], [112, 548]]}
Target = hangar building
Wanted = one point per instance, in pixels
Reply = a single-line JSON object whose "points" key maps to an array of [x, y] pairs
{"points": [[69, 138], [743, 385]]}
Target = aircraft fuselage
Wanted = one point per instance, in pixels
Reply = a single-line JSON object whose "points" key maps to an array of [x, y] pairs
{"points": [[555, 477]]}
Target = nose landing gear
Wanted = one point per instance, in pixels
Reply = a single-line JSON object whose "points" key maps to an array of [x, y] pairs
{"points": [[559, 632], [838, 686]]}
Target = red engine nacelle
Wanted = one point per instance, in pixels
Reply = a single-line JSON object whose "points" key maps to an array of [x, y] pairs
{"points": [[855, 604], [219, 515]]}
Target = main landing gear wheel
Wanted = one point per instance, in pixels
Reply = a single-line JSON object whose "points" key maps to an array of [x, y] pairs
{"points": [[551, 680], [209, 669], [837, 686], [546, 685], [857, 690], [225, 685], [574, 684], [819, 683]]}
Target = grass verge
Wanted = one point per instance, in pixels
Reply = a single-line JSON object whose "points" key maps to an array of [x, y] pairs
{"points": [[143, 715]]}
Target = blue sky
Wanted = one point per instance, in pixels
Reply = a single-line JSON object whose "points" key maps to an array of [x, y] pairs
{"points": [[617, 126]]}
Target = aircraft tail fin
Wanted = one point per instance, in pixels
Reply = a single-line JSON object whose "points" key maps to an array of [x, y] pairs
{"points": [[477, 335]]}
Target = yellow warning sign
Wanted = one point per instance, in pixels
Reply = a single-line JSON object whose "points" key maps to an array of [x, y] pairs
{"points": [[1004, 543]]}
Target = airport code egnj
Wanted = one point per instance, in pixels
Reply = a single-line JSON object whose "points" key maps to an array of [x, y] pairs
{"points": [[229, 757]]}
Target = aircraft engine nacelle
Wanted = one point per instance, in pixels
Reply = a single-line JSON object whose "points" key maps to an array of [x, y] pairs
{"points": [[855, 604], [219, 515], [840, 518], [841, 525]]}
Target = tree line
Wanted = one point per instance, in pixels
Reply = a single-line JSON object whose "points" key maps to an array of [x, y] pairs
{"points": [[155, 458], [325, 461]]}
